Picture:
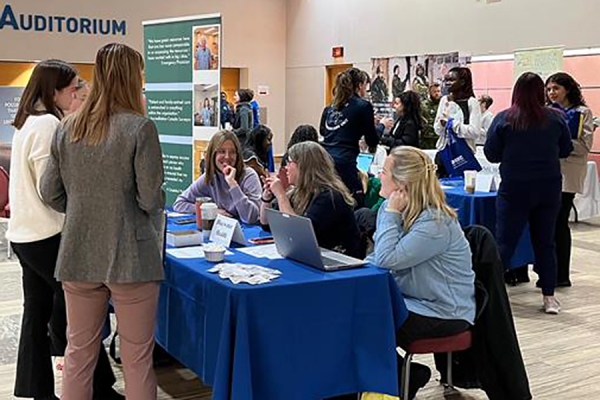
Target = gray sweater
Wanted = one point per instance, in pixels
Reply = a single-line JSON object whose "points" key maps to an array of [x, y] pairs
{"points": [[109, 193]]}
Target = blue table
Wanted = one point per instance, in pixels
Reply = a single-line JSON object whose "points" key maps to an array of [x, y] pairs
{"points": [[306, 335], [480, 208]]}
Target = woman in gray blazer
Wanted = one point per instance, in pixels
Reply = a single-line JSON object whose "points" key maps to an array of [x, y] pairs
{"points": [[105, 172]]}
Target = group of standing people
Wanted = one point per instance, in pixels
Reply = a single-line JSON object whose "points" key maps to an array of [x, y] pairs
{"points": [[244, 113], [521, 156], [86, 195], [542, 143]]}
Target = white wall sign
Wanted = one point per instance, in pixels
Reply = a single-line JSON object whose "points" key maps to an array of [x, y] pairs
{"points": [[263, 90]]}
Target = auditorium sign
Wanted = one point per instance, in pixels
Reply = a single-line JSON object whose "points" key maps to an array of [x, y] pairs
{"points": [[12, 19]]}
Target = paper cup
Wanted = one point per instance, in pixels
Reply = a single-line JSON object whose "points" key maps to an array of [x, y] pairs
{"points": [[209, 214], [213, 252], [470, 179]]}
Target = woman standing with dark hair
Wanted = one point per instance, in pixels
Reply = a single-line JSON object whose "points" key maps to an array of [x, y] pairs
{"points": [[343, 123], [528, 140], [34, 230], [564, 92], [462, 107], [243, 118], [409, 122]]}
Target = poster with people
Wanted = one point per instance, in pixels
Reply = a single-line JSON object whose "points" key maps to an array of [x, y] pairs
{"points": [[400, 75], [206, 110], [206, 48], [183, 63], [391, 76]]}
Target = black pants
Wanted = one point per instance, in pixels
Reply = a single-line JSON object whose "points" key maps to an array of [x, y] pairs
{"points": [[537, 203], [349, 175], [419, 327], [45, 302], [366, 220], [562, 238]]}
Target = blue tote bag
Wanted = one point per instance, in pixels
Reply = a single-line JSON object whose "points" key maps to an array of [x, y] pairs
{"points": [[574, 119], [457, 156]]}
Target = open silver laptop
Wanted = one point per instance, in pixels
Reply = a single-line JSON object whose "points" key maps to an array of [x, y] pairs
{"points": [[295, 238]]}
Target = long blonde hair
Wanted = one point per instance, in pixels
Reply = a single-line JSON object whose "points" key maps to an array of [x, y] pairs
{"points": [[316, 172], [415, 168], [117, 87]]}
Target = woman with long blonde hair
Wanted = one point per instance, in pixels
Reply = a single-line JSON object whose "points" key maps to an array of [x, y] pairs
{"points": [[419, 239], [316, 192], [105, 173]]}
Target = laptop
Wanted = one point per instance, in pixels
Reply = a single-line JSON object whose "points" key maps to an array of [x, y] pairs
{"points": [[364, 161], [295, 239]]}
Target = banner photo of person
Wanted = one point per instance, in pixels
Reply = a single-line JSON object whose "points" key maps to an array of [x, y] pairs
{"points": [[182, 90], [391, 76]]}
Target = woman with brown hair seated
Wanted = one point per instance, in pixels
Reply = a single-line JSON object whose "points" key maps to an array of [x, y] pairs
{"points": [[316, 192]]}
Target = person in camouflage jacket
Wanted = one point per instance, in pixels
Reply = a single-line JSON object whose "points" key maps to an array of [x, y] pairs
{"points": [[429, 109]]}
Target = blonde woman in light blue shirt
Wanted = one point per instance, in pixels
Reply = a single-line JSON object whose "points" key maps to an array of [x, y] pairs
{"points": [[419, 239]]}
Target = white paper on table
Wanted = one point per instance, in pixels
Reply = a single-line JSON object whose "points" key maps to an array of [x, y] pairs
{"points": [[173, 214], [264, 251], [485, 183], [245, 273], [190, 252]]}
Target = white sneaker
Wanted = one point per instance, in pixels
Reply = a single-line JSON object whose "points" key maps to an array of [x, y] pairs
{"points": [[551, 305]]}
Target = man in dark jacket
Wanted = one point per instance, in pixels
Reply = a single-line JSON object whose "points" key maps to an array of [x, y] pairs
{"points": [[226, 111]]}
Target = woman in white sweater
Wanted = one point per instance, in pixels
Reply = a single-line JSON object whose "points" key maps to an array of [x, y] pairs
{"points": [[34, 230]]}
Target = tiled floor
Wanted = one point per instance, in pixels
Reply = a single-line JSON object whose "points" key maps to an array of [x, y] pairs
{"points": [[561, 352]]}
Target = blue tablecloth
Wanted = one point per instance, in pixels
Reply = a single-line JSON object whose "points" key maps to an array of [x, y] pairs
{"points": [[306, 335], [480, 208]]}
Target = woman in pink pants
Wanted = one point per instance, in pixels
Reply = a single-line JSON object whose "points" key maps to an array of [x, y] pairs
{"points": [[105, 173]]}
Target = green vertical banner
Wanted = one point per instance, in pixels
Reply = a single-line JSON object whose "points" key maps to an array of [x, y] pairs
{"points": [[183, 85]]}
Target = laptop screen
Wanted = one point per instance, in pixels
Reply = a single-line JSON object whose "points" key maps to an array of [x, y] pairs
{"points": [[364, 162]]}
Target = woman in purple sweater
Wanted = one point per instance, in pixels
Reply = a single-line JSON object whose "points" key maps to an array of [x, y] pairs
{"points": [[232, 186]]}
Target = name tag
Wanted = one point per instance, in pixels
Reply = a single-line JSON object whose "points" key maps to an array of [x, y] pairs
{"points": [[225, 230]]}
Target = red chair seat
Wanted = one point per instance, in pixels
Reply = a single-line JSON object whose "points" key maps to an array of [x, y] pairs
{"points": [[458, 342]]}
